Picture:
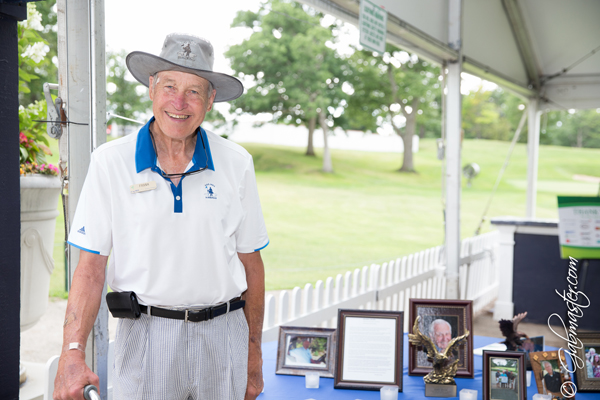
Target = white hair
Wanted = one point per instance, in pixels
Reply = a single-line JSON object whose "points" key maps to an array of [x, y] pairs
{"points": [[437, 322]]}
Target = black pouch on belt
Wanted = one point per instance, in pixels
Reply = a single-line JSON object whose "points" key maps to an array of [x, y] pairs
{"points": [[123, 305]]}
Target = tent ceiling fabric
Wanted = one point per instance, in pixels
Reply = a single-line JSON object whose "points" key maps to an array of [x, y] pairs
{"points": [[523, 45]]}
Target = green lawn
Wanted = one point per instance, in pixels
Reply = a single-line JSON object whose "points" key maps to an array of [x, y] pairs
{"points": [[367, 212]]}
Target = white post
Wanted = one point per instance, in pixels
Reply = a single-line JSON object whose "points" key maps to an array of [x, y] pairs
{"points": [[505, 307], [533, 146], [453, 146], [82, 88]]}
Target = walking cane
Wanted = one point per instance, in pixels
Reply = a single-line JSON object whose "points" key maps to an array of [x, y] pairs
{"points": [[90, 392]]}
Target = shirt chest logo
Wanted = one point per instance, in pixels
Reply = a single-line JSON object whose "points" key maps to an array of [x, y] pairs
{"points": [[210, 191]]}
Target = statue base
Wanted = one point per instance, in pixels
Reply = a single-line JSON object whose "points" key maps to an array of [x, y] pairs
{"points": [[437, 390]]}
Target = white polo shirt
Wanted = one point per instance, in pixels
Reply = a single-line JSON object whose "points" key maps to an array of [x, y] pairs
{"points": [[171, 245]]}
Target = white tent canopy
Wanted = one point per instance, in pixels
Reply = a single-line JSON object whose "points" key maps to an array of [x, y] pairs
{"points": [[523, 45]]}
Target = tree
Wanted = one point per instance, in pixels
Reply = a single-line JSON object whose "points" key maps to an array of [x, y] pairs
{"points": [[126, 97], [394, 88], [575, 128], [482, 116], [296, 73]]}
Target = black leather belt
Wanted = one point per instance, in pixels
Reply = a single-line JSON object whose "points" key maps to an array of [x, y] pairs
{"points": [[196, 315]]}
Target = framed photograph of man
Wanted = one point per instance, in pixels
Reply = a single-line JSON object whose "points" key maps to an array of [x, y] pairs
{"points": [[588, 377], [504, 375], [442, 320], [550, 375], [303, 349]]}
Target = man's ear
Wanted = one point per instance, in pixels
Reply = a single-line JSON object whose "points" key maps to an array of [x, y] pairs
{"points": [[150, 86], [211, 99]]}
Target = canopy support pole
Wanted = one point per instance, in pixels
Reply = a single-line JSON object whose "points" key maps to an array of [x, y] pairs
{"points": [[453, 146], [533, 149], [82, 88]]}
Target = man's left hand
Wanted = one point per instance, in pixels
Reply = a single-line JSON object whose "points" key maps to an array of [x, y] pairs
{"points": [[255, 376]]}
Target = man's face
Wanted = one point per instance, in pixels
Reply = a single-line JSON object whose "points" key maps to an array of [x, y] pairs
{"points": [[179, 102], [306, 343], [548, 368], [441, 336]]}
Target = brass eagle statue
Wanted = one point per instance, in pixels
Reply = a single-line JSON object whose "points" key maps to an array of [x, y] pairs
{"points": [[444, 369]]}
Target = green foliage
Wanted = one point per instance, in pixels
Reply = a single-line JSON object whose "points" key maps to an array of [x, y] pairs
{"points": [[32, 48], [392, 87], [296, 74], [482, 116], [40, 27], [125, 96], [575, 128]]}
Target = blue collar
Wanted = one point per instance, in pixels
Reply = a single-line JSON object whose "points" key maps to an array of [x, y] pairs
{"points": [[145, 156]]}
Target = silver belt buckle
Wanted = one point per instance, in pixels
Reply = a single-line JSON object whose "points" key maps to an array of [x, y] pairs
{"points": [[186, 315]]}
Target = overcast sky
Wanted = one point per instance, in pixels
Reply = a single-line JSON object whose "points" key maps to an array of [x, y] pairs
{"points": [[142, 25]]}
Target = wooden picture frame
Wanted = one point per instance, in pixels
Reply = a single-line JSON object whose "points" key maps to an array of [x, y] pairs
{"points": [[588, 377], [456, 313], [301, 350], [549, 383], [504, 375], [370, 349]]}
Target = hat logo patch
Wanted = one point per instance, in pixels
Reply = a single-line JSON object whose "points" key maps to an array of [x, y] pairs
{"points": [[186, 54]]}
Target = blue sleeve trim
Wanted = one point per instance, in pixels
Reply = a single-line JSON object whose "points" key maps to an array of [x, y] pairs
{"points": [[84, 249], [263, 246]]}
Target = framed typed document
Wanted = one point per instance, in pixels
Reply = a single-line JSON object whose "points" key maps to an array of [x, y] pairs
{"points": [[370, 349]]}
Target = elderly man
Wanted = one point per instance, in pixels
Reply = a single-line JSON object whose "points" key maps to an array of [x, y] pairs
{"points": [[552, 380], [440, 332], [178, 208]]}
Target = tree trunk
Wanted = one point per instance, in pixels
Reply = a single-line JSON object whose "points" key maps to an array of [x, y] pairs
{"points": [[310, 149], [580, 137], [327, 165], [407, 141]]}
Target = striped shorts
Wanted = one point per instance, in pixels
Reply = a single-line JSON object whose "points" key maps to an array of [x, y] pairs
{"points": [[165, 359]]}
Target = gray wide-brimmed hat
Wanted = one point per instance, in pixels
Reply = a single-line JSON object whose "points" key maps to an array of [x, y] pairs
{"points": [[185, 53]]}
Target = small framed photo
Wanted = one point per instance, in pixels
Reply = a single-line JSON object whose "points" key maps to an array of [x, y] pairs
{"points": [[531, 345], [588, 377], [504, 375], [370, 349], [303, 349], [442, 320], [550, 375]]}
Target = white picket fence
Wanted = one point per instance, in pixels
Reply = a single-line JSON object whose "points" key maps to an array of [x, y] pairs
{"points": [[387, 287]]}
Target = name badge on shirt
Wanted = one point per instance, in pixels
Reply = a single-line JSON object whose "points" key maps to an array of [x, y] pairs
{"points": [[142, 187]]}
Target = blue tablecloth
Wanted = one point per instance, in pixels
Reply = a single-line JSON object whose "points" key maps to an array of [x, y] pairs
{"points": [[288, 387]]}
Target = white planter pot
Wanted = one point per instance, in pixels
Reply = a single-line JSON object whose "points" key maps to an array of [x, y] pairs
{"points": [[39, 202]]}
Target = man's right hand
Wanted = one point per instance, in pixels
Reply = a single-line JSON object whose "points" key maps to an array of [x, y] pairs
{"points": [[72, 376]]}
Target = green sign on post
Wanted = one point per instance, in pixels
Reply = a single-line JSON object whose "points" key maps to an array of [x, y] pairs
{"points": [[372, 22], [579, 227]]}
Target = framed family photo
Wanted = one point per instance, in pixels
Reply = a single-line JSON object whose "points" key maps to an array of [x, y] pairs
{"points": [[442, 320], [549, 373], [303, 349], [588, 378], [370, 349], [504, 375]]}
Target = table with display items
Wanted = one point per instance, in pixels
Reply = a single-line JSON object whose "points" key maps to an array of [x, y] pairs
{"points": [[291, 387]]}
